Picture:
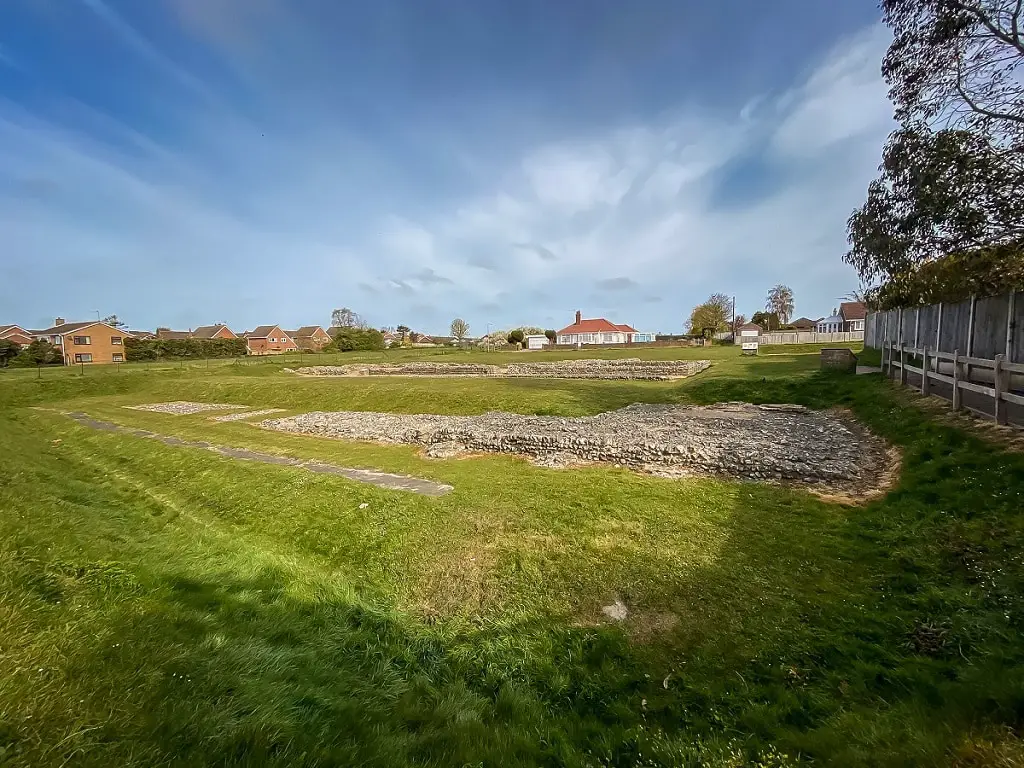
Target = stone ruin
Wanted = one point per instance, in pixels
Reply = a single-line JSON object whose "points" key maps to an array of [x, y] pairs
{"points": [[768, 442], [629, 369]]}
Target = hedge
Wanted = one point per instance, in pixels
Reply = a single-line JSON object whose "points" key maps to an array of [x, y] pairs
{"points": [[982, 272], [182, 349]]}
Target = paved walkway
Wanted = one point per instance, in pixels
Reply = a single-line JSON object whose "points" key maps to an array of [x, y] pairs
{"points": [[380, 479]]}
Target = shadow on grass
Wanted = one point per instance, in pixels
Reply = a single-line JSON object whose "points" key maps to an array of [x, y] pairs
{"points": [[885, 634]]}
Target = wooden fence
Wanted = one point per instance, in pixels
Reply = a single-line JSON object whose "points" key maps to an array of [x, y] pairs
{"points": [[803, 337], [898, 360], [980, 328]]}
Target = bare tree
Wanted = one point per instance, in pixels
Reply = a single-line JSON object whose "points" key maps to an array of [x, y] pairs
{"points": [[780, 301], [459, 329], [958, 64], [346, 318]]}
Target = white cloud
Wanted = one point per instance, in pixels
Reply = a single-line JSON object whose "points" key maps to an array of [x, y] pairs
{"points": [[676, 206], [282, 221]]}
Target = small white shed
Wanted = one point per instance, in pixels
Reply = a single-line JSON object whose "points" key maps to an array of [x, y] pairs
{"points": [[535, 341]]}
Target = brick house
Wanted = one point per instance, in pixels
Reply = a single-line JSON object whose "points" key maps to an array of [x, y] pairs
{"points": [[89, 342], [600, 331], [16, 334], [310, 337], [218, 331], [269, 340]]}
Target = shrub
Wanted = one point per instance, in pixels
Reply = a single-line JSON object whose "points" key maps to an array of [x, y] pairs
{"points": [[182, 349], [552, 335], [39, 352], [357, 340], [516, 336]]}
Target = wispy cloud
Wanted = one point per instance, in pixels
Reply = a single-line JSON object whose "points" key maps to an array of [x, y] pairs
{"points": [[616, 284], [145, 49], [635, 220]]}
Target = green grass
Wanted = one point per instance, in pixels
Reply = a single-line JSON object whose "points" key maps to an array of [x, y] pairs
{"points": [[166, 606]]}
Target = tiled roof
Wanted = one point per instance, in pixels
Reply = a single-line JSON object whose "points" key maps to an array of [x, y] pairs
{"points": [[60, 330], [167, 333], [751, 327], [853, 310], [260, 332], [305, 331], [208, 331], [596, 325]]}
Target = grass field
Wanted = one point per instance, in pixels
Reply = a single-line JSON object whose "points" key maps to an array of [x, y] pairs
{"points": [[166, 606]]}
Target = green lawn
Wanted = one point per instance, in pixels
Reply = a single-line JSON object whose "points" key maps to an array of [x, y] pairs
{"points": [[166, 606]]}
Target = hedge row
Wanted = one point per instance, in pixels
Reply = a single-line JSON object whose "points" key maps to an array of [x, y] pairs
{"points": [[982, 272], [179, 349]]}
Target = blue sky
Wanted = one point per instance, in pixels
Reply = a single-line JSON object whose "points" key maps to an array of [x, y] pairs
{"points": [[183, 162]]}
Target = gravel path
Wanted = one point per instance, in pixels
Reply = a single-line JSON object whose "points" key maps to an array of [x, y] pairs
{"points": [[246, 414], [629, 368], [787, 443], [183, 407]]}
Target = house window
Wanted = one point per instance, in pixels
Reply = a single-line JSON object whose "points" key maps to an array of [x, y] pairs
{"points": [[82, 341], [115, 340], [83, 358], [118, 357], [272, 340]]}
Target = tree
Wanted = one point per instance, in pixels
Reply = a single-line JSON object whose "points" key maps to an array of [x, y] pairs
{"points": [[552, 335], [767, 320], [113, 320], [780, 301], [39, 352], [938, 193], [357, 339], [459, 329], [403, 331], [715, 314], [737, 322], [952, 175], [516, 337], [8, 351], [346, 318], [958, 64]]}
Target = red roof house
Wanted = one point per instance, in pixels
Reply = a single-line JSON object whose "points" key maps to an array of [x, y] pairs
{"points": [[600, 331]]}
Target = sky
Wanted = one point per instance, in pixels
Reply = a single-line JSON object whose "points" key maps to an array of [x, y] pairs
{"points": [[186, 162]]}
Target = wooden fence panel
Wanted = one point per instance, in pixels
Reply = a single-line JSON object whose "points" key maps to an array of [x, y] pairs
{"points": [[990, 327], [995, 327]]}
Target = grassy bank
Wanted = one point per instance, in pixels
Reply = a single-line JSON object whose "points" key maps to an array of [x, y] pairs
{"points": [[164, 605]]}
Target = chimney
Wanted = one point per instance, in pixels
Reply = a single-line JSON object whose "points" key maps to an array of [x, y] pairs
{"points": [[58, 321], [579, 317]]}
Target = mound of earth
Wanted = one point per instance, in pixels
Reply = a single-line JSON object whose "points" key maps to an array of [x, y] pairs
{"points": [[767, 442]]}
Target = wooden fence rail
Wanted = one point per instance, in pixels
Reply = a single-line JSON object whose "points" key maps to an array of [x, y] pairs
{"points": [[895, 364]]}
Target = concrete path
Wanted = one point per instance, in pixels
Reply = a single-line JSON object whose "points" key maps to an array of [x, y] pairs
{"points": [[380, 479], [862, 369]]}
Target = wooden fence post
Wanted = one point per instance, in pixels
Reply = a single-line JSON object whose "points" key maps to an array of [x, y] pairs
{"points": [[970, 336], [1000, 387], [938, 337], [1011, 309], [917, 328], [903, 364], [956, 380], [924, 371]]}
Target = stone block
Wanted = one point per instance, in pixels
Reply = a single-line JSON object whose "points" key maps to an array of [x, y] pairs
{"points": [[838, 359]]}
